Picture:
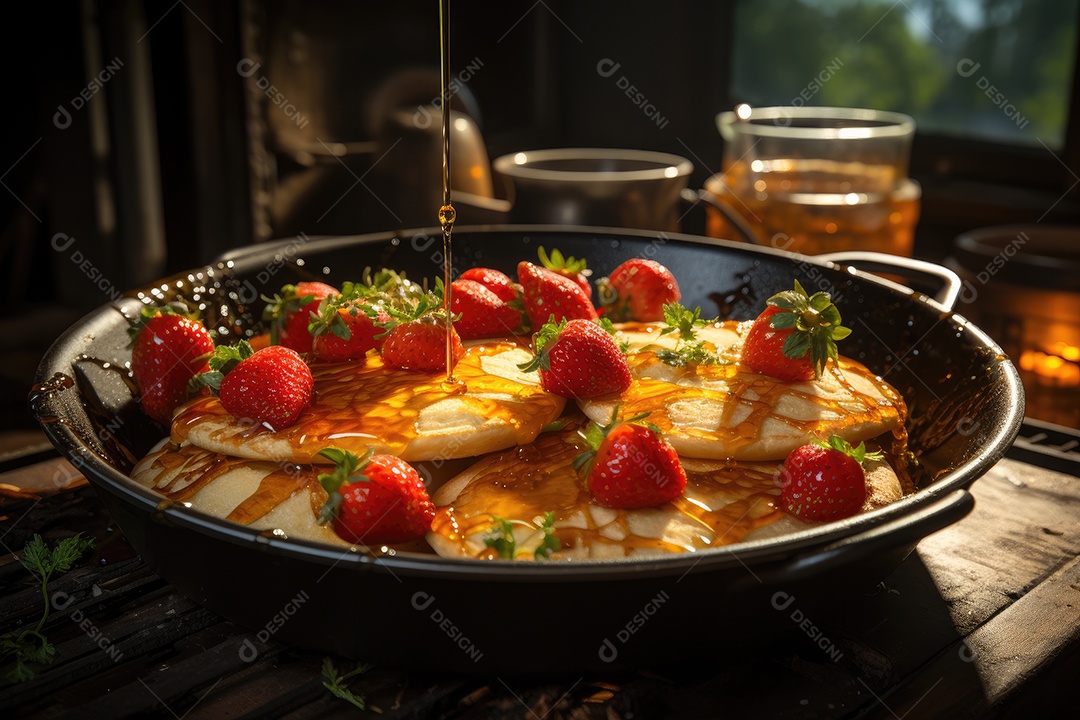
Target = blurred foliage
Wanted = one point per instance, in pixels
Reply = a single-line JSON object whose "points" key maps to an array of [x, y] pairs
{"points": [[904, 57]]}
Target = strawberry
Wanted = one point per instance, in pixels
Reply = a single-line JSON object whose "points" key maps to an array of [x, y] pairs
{"points": [[825, 481], [374, 499], [571, 267], [495, 281], [638, 290], [416, 332], [578, 359], [342, 330], [272, 386], [547, 293], [793, 338], [483, 313], [630, 466], [421, 344], [168, 349], [288, 313]]}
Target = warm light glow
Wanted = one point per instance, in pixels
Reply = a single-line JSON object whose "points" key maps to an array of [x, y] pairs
{"points": [[742, 111], [461, 124], [1069, 352], [1062, 369], [521, 159], [671, 172]]}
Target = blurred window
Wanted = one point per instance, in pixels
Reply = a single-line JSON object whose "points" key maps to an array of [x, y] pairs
{"points": [[996, 70]]}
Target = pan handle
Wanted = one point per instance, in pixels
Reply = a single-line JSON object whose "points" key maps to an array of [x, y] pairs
{"points": [[907, 267], [904, 531]]}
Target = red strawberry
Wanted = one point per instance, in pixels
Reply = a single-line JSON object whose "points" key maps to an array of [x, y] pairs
{"points": [[344, 331], [571, 267], [495, 281], [421, 344], [794, 336], [638, 290], [288, 313], [483, 313], [272, 386], [548, 294], [630, 466], [825, 481], [169, 349], [578, 359], [374, 499]]}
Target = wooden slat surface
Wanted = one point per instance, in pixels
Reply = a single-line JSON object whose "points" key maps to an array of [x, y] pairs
{"points": [[982, 620]]}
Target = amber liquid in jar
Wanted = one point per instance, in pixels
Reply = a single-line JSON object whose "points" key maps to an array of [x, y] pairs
{"points": [[815, 206]]}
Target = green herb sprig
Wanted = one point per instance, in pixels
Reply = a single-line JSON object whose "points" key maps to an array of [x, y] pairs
{"points": [[30, 646]]}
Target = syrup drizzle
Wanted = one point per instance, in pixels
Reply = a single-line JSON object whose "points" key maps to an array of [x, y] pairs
{"points": [[447, 214], [737, 388], [723, 504], [368, 404]]}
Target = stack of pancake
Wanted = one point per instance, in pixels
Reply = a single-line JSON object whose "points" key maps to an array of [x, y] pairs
{"points": [[732, 428]]}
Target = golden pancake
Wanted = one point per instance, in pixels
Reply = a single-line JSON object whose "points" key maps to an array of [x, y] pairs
{"points": [[725, 502], [729, 411], [413, 415], [263, 495]]}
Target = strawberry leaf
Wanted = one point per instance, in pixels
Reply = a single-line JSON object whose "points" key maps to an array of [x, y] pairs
{"points": [[149, 312], [543, 340], [858, 454], [796, 345], [815, 324], [560, 264], [210, 379], [347, 470]]}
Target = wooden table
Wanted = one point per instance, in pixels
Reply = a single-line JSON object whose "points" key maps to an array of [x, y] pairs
{"points": [[982, 620]]}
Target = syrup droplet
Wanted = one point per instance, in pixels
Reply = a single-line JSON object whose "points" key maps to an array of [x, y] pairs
{"points": [[447, 216]]}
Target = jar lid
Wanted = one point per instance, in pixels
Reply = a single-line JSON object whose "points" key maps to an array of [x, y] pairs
{"points": [[1033, 255]]}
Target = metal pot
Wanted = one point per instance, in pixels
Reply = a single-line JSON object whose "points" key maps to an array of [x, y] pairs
{"points": [[408, 609], [595, 186]]}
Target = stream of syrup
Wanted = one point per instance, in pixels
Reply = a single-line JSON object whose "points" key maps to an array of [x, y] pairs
{"points": [[447, 214]]}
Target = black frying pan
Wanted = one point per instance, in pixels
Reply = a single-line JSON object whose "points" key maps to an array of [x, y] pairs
{"points": [[965, 401]]}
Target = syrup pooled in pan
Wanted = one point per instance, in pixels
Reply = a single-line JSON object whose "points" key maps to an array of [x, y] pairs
{"points": [[373, 404], [725, 502]]}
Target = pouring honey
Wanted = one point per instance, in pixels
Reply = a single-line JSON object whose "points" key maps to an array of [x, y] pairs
{"points": [[447, 214]]}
